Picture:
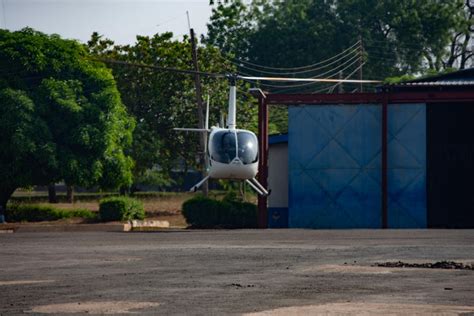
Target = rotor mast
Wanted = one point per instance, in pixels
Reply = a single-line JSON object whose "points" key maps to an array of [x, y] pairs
{"points": [[231, 116]]}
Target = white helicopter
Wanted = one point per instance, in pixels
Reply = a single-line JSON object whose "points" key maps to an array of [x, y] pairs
{"points": [[233, 153]]}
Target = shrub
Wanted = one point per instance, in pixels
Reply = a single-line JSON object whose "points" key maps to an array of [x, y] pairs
{"points": [[38, 213], [202, 212], [30, 213], [121, 209], [83, 213]]}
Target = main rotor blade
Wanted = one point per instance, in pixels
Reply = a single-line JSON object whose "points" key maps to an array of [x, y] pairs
{"points": [[183, 71], [236, 76], [307, 79]]}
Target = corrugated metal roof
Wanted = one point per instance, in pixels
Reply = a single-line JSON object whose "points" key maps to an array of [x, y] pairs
{"points": [[461, 78], [460, 75], [439, 83]]}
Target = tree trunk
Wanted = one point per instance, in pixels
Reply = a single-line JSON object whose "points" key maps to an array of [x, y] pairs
{"points": [[52, 198], [242, 191], [70, 193], [5, 195], [124, 190]]}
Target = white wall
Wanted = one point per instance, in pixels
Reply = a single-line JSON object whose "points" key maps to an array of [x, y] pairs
{"points": [[278, 175]]}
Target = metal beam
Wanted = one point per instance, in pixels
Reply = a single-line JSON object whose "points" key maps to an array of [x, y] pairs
{"points": [[372, 98], [384, 183], [263, 159]]}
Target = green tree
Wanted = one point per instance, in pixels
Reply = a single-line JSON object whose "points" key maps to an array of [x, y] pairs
{"points": [[460, 53], [229, 28], [160, 100], [61, 116], [399, 36]]}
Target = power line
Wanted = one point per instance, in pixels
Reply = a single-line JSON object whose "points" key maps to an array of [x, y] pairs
{"points": [[350, 75], [328, 72], [234, 76], [312, 80], [302, 67], [302, 71], [220, 75], [147, 66]]}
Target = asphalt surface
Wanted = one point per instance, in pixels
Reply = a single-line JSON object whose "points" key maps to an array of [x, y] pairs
{"points": [[235, 272]]}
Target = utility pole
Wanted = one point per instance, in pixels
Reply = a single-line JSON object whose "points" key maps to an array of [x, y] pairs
{"points": [[361, 62], [203, 136]]}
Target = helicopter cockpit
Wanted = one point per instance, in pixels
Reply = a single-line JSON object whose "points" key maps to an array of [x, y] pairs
{"points": [[226, 145]]}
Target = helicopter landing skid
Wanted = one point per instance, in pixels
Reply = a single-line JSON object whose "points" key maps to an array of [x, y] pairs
{"points": [[257, 187], [198, 185]]}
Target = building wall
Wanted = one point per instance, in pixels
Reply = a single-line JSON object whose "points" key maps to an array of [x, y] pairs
{"points": [[407, 166], [278, 175], [278, 184], [335, 166]]}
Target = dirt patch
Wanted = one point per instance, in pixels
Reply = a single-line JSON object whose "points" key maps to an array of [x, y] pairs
{"points": [[368, 309], [24, 282], [336, 268], [450, 265], [106, 307]]}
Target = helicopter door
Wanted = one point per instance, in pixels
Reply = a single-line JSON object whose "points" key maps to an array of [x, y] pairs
{"points": [[224, 146]]}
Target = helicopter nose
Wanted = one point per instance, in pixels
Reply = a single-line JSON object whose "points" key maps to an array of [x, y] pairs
{"points": [[236, 161]]}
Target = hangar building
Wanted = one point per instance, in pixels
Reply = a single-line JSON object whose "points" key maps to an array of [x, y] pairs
{"points": [[356, 164]]}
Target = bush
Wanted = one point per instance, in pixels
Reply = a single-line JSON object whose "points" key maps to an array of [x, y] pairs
{"points": [[202, 212], [38, 213], [83, 213], [121, 209]]}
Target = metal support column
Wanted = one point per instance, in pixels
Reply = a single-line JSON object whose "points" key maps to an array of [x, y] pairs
{"points": [[263, 160], [384, 184]]}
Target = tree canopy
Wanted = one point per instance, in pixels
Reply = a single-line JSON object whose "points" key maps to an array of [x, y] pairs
{"points": [[398, 36], [61, 117]]}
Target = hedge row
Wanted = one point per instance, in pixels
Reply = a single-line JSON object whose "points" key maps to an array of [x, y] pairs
{"points": [[42, 197], [38, 213], [202, 212], [110, 209]]}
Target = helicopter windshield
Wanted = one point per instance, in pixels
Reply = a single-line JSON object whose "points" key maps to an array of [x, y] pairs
{"points": [[226, 145]]}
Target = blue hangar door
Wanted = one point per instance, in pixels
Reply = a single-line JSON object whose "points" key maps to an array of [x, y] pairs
{"points": [[334, 165]]}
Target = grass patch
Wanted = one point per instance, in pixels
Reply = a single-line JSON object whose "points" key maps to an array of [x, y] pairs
{"points": [[32, 197], [42, 197]]}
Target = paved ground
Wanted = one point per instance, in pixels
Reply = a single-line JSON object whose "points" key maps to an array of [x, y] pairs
{"points": [[234, 272]]}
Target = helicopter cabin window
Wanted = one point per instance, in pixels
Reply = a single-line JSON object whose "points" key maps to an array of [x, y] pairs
{"points": [[223, 146], [225, 149], [247, 147]]}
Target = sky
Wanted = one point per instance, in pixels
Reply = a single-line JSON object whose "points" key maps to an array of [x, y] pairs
{"points": [[119, 20]]}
